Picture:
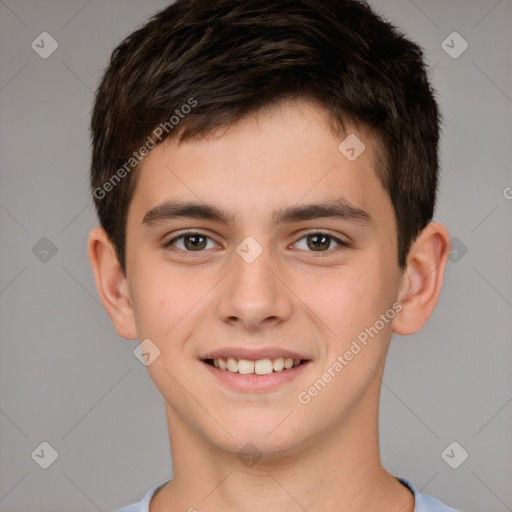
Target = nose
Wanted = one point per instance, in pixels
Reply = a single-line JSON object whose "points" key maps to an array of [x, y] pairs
{"points": [[253, 295]]}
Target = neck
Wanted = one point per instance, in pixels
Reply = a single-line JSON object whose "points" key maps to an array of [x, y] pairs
{"points": [[338, 471]]}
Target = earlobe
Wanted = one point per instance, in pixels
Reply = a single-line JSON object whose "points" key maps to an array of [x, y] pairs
{"points": [[111, 283], [422, 279]]}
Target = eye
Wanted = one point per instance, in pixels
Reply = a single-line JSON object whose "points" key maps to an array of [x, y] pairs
{"points": [[320, 242], [198, 242], [190, 242]]}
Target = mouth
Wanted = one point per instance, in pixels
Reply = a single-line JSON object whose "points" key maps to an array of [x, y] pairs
{"points": [[264, 366], [249, 373]]}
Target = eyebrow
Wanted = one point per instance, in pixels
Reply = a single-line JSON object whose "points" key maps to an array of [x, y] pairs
{"points": [[338, 208]]}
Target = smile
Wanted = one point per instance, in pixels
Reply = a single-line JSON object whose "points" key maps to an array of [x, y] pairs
{"points": [[255, 370], [259, 367]]}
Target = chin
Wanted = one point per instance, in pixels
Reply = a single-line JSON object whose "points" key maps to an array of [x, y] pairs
{"points": [[263, 433]]}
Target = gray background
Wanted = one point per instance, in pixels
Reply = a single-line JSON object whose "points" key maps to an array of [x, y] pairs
{"points": [[67, 378]]}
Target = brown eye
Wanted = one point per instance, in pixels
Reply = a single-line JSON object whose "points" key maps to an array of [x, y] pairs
{"points": [[190, 242], [320, 242], [194, 242]]}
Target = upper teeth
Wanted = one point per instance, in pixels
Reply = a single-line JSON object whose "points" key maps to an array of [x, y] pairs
{"points": [[259, 367]]}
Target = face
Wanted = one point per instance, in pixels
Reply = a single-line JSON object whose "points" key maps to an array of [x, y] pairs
{"points": [[263, 243]]}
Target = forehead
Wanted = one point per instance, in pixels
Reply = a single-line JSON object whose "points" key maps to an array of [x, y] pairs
{"points": [[277, 157]]}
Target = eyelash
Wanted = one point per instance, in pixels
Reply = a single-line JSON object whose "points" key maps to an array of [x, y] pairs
{"points": [[169, 245]]}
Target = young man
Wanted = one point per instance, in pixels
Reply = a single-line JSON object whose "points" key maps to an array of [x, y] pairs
{"points": [[265, 175]]}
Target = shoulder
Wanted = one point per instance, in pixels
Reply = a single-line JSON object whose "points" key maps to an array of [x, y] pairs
{"points": [[425, 503], [143, 504]]}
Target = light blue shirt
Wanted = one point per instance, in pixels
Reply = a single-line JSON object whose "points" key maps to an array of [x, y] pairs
{"points": [[424, 503]]}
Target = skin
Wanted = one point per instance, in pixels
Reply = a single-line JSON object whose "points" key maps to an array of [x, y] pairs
{"points": [[319, 456]]}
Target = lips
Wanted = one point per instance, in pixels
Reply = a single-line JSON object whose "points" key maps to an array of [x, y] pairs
{"points": [[253, 354], [254, 370]]}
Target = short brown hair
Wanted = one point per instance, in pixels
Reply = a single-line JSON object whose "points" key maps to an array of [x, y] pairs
{"points": [[228, 58]]}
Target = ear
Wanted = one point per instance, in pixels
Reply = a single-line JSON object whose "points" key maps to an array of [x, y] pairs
{"points": [[422, 278], [111, 283]]}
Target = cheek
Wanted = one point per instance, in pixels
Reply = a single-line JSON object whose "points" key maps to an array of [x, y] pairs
{"points": [[166, 307], [163, 300], [351, 300]]}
